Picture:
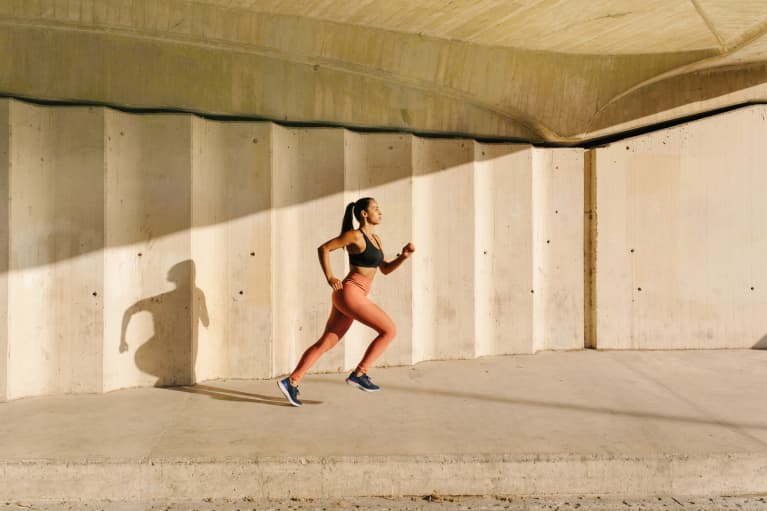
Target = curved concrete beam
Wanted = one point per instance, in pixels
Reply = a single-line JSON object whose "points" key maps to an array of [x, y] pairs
{"points": [[223, 60]]}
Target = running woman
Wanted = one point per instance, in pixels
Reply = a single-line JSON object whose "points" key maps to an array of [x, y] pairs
{"points": [[350, 299]]}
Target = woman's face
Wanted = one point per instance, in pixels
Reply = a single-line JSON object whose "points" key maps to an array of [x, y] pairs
{"points": [[374, 214]]}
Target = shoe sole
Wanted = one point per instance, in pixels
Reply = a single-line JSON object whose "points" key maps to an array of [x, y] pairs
{"points": [[349, 382], [285, 392]]}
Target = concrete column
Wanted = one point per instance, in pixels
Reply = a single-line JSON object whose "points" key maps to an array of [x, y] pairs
{"points": [[56, 265], [150, 277], [4, 241], [308, 201], [231, 247], [380, 166], [680, 240], [503, 248], [443, 266], [558, 249]]}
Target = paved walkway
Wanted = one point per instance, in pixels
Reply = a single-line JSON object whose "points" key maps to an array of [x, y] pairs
{"points": [[554, 423]]}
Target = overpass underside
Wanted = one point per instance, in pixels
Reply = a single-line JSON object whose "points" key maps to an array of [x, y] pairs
{"points": [[529, 70]]}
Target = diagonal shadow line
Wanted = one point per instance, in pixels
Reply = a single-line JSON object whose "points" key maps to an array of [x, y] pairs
{"points": [[737, 428], [573, 407], [237, 395]]}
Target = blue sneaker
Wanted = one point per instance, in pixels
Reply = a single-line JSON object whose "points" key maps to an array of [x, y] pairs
{"points": [[290, 391], [362, 382]]}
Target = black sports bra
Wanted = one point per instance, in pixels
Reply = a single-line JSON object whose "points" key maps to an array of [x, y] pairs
{"points": [[371, 257]]}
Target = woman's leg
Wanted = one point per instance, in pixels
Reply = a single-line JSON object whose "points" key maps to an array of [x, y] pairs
{"points": [[335, 329], [359, 307]]}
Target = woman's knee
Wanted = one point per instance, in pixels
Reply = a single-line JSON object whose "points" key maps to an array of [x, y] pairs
{"points": [[327, 341], [388, 330]]}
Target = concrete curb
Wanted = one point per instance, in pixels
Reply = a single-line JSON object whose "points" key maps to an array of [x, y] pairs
{"points": [[335, 477]]}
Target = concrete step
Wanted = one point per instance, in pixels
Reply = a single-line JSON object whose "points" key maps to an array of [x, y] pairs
{"points": [[390, 476]]}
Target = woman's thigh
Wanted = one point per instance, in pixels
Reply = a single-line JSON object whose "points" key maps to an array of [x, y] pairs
{"points": [[338, 322], [355, 304]]}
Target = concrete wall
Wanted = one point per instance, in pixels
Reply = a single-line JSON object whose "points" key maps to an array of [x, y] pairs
{"points": [[231, 240], [681, 239], [5, 169], [168, 249], [56, 234], [149, 273], [443, 264], [504, 244], [381, 166], [308, 184], [557, 212], [144, 250]]}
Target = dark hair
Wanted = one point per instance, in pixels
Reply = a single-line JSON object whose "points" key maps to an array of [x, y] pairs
{"points": [[356, 209]]}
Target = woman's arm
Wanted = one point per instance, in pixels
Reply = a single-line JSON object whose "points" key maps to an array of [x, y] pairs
{"points": [[127, 315], [344, 240], [387, 267]]}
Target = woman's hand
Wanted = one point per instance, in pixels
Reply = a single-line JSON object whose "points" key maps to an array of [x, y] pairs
{"points": [[336, 284], [408, 249]]}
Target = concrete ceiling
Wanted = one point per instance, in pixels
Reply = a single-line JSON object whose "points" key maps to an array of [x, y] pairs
{"points": [[563, 71], [565, 26]]}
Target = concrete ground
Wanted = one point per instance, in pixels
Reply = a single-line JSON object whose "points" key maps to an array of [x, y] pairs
{"points": [[555, 424]]}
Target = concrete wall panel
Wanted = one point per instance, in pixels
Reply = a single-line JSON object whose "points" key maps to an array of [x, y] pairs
{"points": [[168, 249], [231, 238], [308, 199], [504, 261], [680, 236], [380, 166], [148, 283], [4, 240], [558, 249], [57, 231], [443, 268]]}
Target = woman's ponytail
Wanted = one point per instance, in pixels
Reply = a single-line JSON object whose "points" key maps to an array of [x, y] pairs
{"points": [[354, 210], [347, 224]]}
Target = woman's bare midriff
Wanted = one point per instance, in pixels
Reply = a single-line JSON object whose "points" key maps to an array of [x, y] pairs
{"points": [[367, 272]]}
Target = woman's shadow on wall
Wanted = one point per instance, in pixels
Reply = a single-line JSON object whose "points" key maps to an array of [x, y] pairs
{"points": [[170, 354]]}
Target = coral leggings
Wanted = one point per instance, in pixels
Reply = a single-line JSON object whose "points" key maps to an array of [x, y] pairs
{"points": [[350, 303]]}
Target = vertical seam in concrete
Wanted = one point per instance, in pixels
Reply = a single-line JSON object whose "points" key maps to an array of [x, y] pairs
{"points": [[477, 282], [415, 352], [272, 302], [413, 327], [193, 275], [536, 201], [412, 290], [346, 137], [8, 351], [105, 254], [272, 268], [476, 285], [105, 249], [589, 249], [4, 349]]}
